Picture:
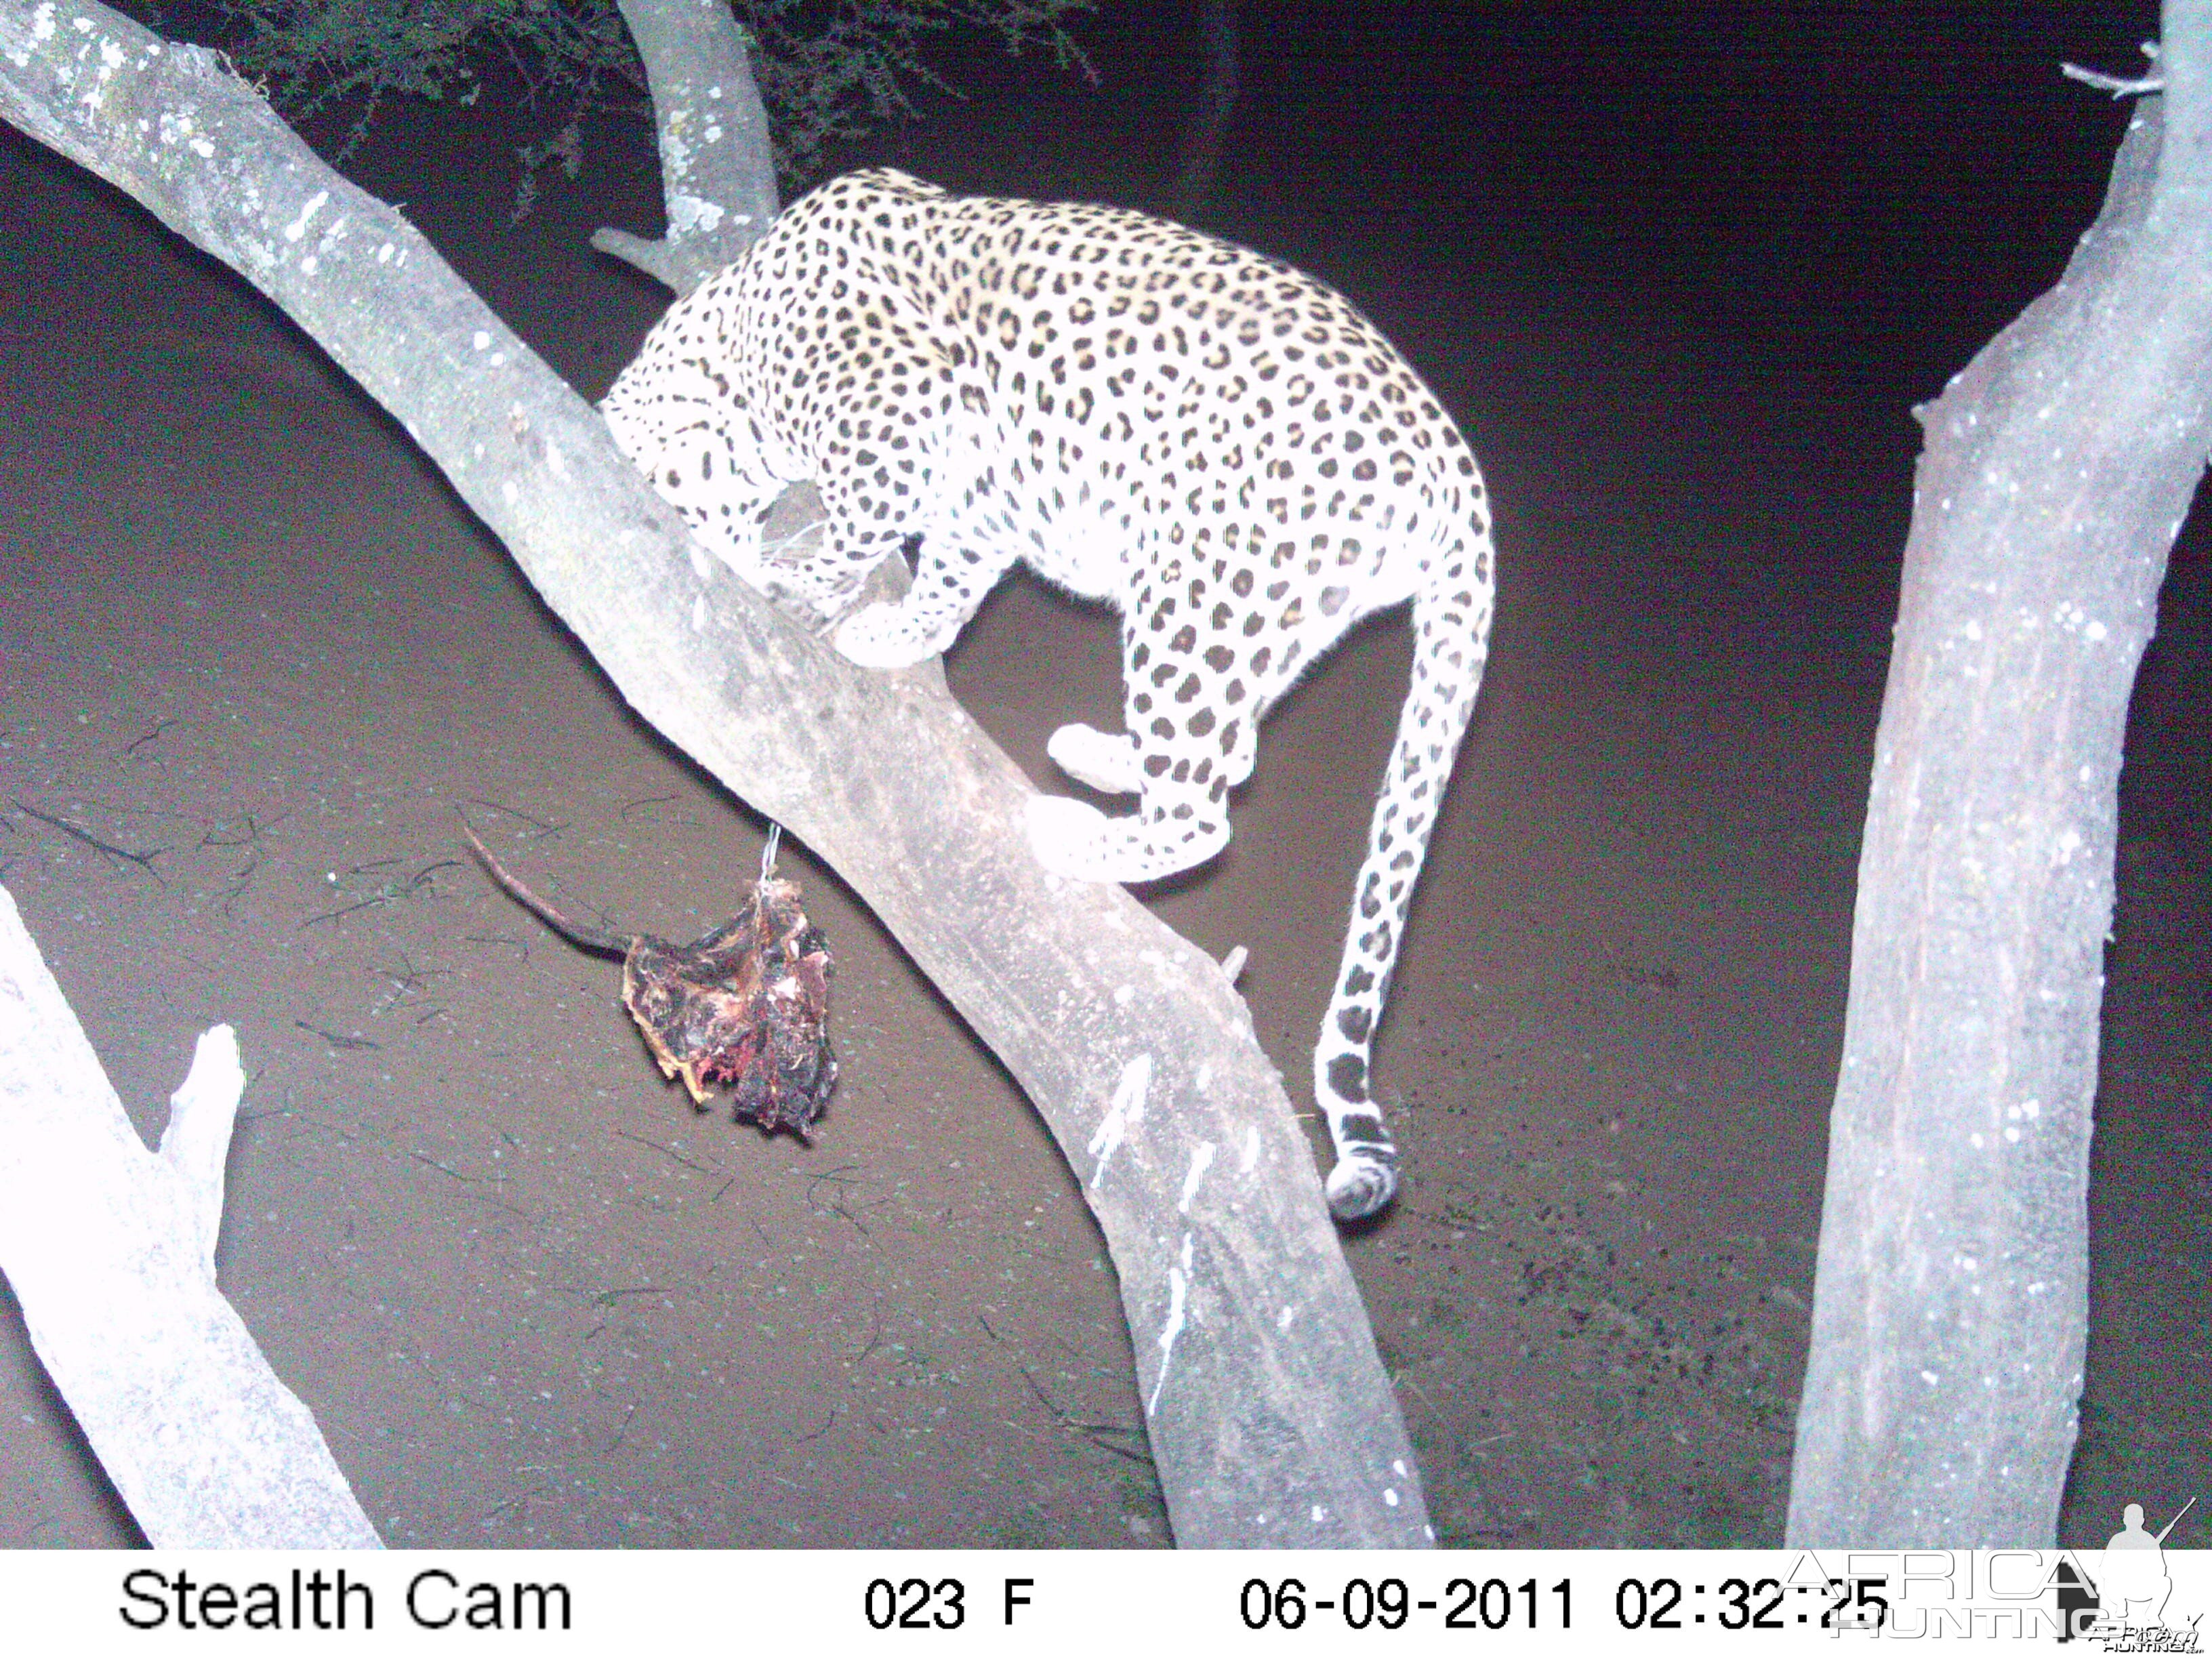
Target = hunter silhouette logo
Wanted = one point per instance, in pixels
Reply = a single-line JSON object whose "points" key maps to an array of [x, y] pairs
{"points": [[2123, 1604]]}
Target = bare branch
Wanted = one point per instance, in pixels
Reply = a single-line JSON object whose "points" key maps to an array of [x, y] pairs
{"points": [[2114, 84], [110, 1250]]}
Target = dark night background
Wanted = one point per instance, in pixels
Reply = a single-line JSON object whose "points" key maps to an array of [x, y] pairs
{"points": [[1679, 271]]}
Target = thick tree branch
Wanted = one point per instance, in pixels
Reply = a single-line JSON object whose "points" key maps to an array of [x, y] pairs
{"points": [[717, 169], [1951, 1313], [110, 1251], [1269, 1415]]}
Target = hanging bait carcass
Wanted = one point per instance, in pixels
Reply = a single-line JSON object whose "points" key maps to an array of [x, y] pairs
{"points": [[744, 1010]]}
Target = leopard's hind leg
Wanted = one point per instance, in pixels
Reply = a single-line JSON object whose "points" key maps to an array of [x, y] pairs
{"points": [[1179, 756]]}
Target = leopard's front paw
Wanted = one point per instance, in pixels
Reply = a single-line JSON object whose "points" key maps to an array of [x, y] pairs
{"points": [[885, 636]]}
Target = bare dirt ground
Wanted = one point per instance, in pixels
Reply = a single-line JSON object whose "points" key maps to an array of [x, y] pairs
{"points": [[534, 1299]]}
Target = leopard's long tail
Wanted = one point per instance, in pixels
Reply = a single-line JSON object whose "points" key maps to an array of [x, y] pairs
{"points": [[1451, 640]]}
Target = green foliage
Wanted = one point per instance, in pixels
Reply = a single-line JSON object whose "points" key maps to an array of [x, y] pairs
{"points": [[825, 68]]}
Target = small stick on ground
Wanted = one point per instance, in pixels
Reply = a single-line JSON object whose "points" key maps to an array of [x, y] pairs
{"points": [[144, 861]]}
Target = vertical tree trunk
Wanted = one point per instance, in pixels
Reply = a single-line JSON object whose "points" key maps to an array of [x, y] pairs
{"points": [[717, 165], [1208, 124], [1949, 1319]]}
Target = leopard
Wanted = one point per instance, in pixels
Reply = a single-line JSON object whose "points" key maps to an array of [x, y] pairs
{"points": [[1217, 445]]}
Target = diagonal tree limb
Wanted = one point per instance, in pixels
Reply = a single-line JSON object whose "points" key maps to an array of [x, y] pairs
{"points": [[1268, 1412], [110, 1249]]}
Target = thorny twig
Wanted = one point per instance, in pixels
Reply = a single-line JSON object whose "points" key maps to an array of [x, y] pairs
{"points": [[159, 727], [669, 1152], [144, 861], [240, 882], [242, 879], [389, 893], [409, 984], [875, 1331], [254, 830], [334, 1039], [443, 1169], [514, 1502], [1093, 1433], [608, 1298], [838, 1181], [538, 824]]}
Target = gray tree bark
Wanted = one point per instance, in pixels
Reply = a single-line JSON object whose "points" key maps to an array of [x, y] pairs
{"points": [[1950, 1314], [1271, 1420], [109, 1248], [717, 166]]}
